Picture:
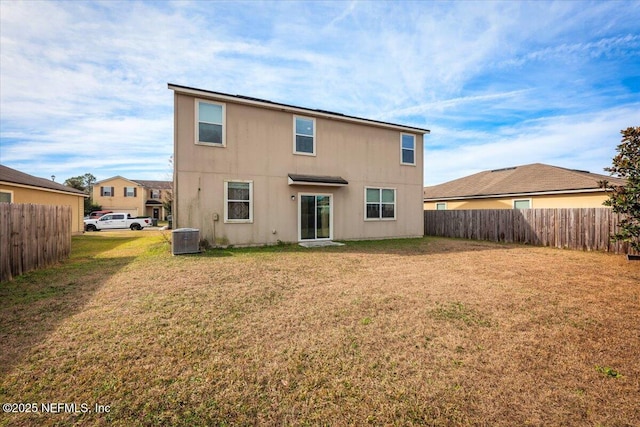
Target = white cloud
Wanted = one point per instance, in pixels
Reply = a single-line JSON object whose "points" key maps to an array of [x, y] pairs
{"points": [[584, 142], [490, 79]]}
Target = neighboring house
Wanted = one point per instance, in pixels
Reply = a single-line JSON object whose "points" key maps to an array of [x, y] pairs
{"points": [[135, 197], [250, 171], [19, 187], [529, 186]]}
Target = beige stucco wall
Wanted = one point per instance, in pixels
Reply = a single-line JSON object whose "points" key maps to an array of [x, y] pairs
{"points": [[577, 200], [259, 147], [50, 197]]}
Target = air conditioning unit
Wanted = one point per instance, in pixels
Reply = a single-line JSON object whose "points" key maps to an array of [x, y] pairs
{"points": [[185, 241]]}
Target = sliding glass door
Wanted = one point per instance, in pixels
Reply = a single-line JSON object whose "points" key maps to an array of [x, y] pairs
{"points": [[315, 216]]}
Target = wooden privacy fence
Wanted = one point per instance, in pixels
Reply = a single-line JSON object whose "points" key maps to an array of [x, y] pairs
{"points": [[585, 228], [32, 237]]}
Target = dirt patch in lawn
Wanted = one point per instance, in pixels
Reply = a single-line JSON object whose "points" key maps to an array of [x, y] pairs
{"points": [[412, 332]]}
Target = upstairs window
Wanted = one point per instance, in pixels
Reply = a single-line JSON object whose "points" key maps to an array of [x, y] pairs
{"points": [[106, 191], [155, 194], [238, 206], [407, 149], [380, 203], [130, 192], [304, 135], [210, 123]]}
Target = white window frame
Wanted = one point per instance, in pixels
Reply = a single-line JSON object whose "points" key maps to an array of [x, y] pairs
{"points": [[395, 203], [155, 194], [226, 202], [10, 193], [302, 153], [133, 192], [513, 203], [441, 203], [197, 102], [402, 149]]}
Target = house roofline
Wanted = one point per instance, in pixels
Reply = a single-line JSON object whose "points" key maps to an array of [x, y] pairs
{"points": [[246, 100], [140, 183], [116, 177], [497, 196], [51, 190], [144, 183]]}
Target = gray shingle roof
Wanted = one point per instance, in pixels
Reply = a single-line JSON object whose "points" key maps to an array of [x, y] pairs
{"points": [[155, 185], [16, 177], [533, 178]]}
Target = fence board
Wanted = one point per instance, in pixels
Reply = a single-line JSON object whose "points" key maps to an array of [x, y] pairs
{"points": [[32, 237], [581, 228]]}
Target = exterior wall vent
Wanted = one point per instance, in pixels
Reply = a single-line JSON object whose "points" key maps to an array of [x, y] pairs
{"points": [[185, 241]]}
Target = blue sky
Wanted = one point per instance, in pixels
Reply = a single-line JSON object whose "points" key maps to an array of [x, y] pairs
{"points": [[83, 85]]}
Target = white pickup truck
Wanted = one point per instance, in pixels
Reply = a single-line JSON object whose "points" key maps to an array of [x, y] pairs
{"points": [[116, 220]]}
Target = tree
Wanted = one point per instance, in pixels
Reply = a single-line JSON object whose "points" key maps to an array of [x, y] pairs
{"points": [[76, 182], [85, 184], [167, 201], [625, 199]]}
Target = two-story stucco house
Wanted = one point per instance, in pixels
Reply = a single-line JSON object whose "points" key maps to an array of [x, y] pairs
{"points": [[136, 197], [249, 171]]}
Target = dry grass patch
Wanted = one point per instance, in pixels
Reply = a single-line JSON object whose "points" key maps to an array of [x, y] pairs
{"points": [[416, 332]]}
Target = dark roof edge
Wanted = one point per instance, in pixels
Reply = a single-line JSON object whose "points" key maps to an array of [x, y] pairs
{"points": [[150, 183], [49, 189], [22, 179], [276, 105], [517, 194], [318, 179]]}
